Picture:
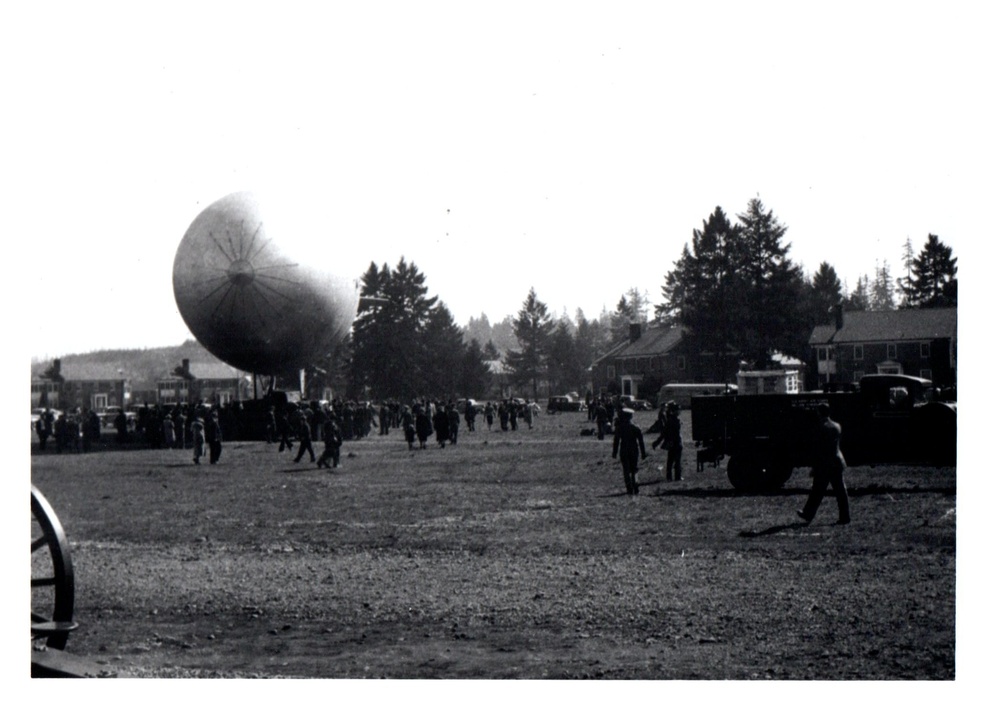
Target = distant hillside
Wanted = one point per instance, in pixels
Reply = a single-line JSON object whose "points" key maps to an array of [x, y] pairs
{"points": [[142, 366]]}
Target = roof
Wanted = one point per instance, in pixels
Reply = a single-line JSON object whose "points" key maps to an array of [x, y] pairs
{"points": [[653, 342], [89, 370], [209, 370], [890, 326], [613, 352]]}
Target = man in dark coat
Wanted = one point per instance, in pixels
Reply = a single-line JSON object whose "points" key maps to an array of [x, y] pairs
{"points": [[442, 425], [828, 468], [331, 444], [424, 426], [629, 443], [304, 431], [213, 437], [672, 442], [454, 423]]}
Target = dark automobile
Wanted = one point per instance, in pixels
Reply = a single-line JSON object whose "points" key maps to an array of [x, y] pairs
{"points": [[564, 403]]}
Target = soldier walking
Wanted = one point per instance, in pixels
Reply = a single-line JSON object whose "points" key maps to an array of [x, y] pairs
{"points": [[828, 468], [629, 443]]}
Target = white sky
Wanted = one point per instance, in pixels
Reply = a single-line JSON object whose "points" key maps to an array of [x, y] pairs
{"points": [[571, 147]]}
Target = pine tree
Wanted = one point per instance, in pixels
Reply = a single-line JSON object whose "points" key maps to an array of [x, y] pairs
{"points": [[935, 283], [387, 339], [859, 301], [565, 372], [474, 372], [881, 295], [774, 287], [440, 355], [705, 291], [533, 329], [904, 285]]}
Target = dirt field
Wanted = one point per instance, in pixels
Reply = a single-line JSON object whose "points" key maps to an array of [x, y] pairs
{"points": [[508, 555]]}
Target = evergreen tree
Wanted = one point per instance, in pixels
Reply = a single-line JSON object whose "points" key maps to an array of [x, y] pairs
{"points": [[774, 287], [824, 292], [565, 372], [474, 372], [827, 290], [387, 339], [904, 285], [533, 329], [705, 291], [934, 282], [490, 351], [858, 300], [633, 307], [441, 355], [592, 340], [881, 295]]}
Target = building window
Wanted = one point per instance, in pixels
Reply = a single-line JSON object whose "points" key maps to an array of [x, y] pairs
{"points": [[611, 371], [858, 374], [925, 350], [681, 363], [859, 352], [926, 374], [823, 354], [890, 351]]}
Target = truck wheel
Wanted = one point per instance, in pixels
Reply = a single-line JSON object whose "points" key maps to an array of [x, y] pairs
{"points": [[743, 474], [749, 474]]}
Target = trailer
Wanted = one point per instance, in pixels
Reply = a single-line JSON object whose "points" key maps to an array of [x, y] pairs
{"points": [[886, 419]]}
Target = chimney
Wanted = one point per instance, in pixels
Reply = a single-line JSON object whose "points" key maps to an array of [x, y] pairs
{"points": [[838, 316], [184, 371], [634, 331]]}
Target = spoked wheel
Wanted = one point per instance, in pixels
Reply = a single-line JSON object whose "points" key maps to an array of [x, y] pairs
{"points": [[52, 584]]}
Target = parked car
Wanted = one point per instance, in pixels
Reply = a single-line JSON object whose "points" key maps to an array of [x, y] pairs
{"points": [[632, 402], [564, 403], [461, 405]]}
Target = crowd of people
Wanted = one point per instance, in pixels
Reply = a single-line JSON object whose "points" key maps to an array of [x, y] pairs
{"points": [[201, 428]]}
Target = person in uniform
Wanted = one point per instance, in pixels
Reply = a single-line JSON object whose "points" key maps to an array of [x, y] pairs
{"points": [[44, 426], [672, 442], [301, 423], [441, 424], [331, 444], [425, 427], [409, 427], [470, 415], [454, 423], [601, 414], [828, 468], [198, 438], [168, 431], [285, 429], [629, 443], [213, 437]]}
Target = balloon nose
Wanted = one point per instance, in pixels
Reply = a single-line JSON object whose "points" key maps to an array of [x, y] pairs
{"points": [[240, 272]]}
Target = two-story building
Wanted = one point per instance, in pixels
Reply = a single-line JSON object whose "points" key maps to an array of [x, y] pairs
{"points": [[917, 342], [84, 384], [211, 382], [654, 357]]}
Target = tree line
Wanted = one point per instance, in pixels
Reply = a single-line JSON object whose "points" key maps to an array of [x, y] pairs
{"points": [[734, 288]]}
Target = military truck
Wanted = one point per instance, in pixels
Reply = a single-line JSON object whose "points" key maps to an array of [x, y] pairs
{"points": [[886, 419]]}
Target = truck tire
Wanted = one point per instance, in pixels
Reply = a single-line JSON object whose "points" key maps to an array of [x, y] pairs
{"points": [[935, 432], [751, 474]]}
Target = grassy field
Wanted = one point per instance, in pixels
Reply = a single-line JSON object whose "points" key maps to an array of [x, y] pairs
{"points": [[508, 555]]}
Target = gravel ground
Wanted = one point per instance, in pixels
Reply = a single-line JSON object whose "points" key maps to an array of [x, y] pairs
{"points": [[513, 555]]}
